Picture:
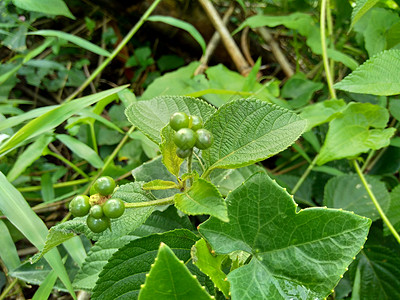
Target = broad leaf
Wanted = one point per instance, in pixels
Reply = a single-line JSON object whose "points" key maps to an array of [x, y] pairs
{"points": [[322, 112], [350, 134], [152, 115], [379, 273], [168, 151], [249, 130], [320, 242], [49, 7], [202, 198], [170, 279], [101, 252], [123, 277], [393, 213], [210, 264], [380, 75], [347, 192], [130, 220]]}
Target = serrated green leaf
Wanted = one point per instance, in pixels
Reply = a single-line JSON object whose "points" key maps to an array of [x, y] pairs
{"points": [[349, 134], [379, 273], [53, 118], [347, 192], [31, 154], [73, 39], [377, 76], [130, 220], [159, 185], [49, 7], [124, 277], [168, 151], [322, 112], [82, 150], [362, 6], [182, 25], [393, 212], [101, 252], [203, 198], [320, 243], [151, 116], [170, 279], [249, 130], [210, 264]]}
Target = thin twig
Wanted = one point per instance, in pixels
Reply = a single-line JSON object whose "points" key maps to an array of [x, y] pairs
{"points": [[245, 46]]}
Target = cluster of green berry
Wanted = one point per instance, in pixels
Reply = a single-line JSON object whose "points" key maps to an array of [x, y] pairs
{"points": [[189, 133], [99, 216]]}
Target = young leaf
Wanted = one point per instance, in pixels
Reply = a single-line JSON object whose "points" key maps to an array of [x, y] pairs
{"points": [[320, 242], [380, 75], [160, 185], [322, 112], [53, 118], [350, 134], [249, 130], [202, 198], [362, 6], [210, 264], [151, 116], [168, 151], [347, 192], [49, 7], [170, 279], [124, 277]]}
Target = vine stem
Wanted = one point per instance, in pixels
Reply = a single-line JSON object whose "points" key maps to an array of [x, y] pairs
{"points": [[304, 176], [328, 73], [164, 201], [115, 52], [375, 201]]}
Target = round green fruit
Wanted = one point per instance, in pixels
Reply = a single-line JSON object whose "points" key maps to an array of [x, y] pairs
{"points": [[79, 206], [195, 123], [183, 153], [98, 225], [96, 211], [204, 139], [179, 120], [185, 138], [114, 208], [104, 185]]}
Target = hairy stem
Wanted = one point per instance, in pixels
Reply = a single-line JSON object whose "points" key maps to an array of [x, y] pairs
{"points": [[325, 50], [375, 201]]}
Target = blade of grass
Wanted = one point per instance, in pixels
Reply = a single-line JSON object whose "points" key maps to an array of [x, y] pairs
{"points": [[8, 251]]}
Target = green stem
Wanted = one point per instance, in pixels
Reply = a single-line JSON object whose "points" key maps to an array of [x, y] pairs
{"points": [[93, 136], [366, 163], [324, 49], [189, 167], [67, 162], [164, 201], [56, 185], [8, 289], [304, 176], [115, 52], [376, 203]]}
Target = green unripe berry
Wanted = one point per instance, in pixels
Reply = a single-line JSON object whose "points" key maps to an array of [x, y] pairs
{"points": [[185, 138], [204, 139], [104, 185], [183, 153], [79, 206], [96, 211], [195, 123], [114, 208], [98, 225], [179, 120]]}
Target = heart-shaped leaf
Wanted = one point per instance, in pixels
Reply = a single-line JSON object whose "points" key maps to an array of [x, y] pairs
{"points": [[249, 130], [320, 242]]}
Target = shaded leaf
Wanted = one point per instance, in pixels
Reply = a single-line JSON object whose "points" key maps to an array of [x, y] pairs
{"points": [[49, 7], [320, 242]]}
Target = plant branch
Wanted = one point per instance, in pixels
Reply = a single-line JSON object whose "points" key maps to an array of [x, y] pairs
{"points": [[120, 46], [375, 201], [328, 73]]}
